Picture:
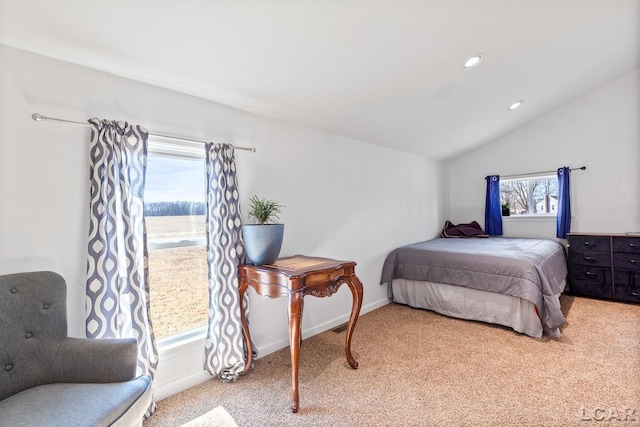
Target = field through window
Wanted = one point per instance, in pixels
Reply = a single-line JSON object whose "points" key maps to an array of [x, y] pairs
{"points": [[177, 276]]}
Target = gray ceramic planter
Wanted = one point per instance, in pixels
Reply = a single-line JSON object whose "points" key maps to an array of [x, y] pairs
{"points": [[262, 243]]}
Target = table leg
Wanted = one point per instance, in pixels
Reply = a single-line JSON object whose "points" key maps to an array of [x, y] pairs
{"points": [[356, 291], [295, 314], [245, 329]]}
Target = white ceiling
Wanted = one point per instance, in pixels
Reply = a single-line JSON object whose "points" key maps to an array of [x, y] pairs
{"points": [[388, 72]]}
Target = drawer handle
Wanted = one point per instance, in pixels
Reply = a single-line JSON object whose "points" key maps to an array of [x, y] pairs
{"points": [[633, 246], [589, 259], [590, 274], [588, 243], [633, 261]]}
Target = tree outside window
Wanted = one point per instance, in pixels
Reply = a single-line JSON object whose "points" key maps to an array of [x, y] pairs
{"points": [[530, 196]]}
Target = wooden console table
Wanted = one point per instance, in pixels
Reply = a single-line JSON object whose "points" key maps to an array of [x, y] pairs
{"points": [[296, 277]]}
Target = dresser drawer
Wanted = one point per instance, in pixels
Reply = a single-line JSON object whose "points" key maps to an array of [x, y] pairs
{"points": [[626, 244], [626, 277], [602, 259], [590, 273], [589, 288], [627, 292], [626, 260], [589, 243]]}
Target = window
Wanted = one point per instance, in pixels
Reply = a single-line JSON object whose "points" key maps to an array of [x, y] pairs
{"points": [[530, 196], [175, 218]]}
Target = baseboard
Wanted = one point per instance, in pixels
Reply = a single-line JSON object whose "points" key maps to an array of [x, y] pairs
{"points": [[274, 346], [169, 389]]}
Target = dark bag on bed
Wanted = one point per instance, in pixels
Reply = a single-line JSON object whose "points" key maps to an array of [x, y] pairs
{"points": [[471, 229]]}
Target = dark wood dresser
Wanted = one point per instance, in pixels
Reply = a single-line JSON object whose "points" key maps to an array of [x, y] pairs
{"points": [[605, 266]]}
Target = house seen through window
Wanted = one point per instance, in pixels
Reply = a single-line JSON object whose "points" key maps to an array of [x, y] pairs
{"points": [[530, 196], [175, 218]]}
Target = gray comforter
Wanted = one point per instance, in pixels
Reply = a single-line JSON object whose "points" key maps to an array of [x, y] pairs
{"points": [[532, 269]]}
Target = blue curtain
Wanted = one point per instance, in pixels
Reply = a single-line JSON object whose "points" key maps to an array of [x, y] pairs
{"points": [[563, 218], [492, 208]]}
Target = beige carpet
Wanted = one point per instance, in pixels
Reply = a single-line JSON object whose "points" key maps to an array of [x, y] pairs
{"points": [[423, 369]]}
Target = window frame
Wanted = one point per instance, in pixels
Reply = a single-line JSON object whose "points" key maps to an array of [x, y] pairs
{"points": [[190, 151], [551, 216]]}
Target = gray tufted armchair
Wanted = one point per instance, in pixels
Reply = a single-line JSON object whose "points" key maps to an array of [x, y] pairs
{"points": [[49, 379]]}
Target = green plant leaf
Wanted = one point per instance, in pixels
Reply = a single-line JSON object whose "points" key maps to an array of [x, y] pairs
{"points": [[263, 211]]}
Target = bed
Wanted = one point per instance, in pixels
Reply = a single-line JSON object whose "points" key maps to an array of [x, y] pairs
{"points": [[514, 282]]}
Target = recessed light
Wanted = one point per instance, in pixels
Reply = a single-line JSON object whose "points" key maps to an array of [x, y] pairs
{"points": [[472, 61], [515, 105]]}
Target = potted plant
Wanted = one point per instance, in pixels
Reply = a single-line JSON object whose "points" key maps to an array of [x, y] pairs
{"points": [[506, 209], [263, 239]]}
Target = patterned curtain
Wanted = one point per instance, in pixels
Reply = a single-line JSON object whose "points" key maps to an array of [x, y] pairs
{"points": [[117, 273], [563, 218], [492, 207], [224, 346]]}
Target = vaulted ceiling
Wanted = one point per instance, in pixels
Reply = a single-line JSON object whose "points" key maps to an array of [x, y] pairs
{"points": [[388, 72]]}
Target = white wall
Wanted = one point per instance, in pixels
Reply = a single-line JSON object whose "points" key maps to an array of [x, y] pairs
{"points": [[344, 198], [600, 130]]}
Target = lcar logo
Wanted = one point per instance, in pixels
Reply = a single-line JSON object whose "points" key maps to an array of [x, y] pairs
{"points": [[608, 414]]}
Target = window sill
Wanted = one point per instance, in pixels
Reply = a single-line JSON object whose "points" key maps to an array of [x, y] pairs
{"points": [[177, 342], [530, 218]]}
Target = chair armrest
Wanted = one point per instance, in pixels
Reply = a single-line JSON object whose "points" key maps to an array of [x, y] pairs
{"points": [[84, 360]]}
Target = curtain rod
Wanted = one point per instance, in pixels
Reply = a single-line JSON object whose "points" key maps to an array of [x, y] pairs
{"points": [[40, 118], [540, 173]]}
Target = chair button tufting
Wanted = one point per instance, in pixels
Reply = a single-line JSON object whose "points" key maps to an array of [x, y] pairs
{"points": [[8, 367], [14, 290], [28, 335], [46, 306]]}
